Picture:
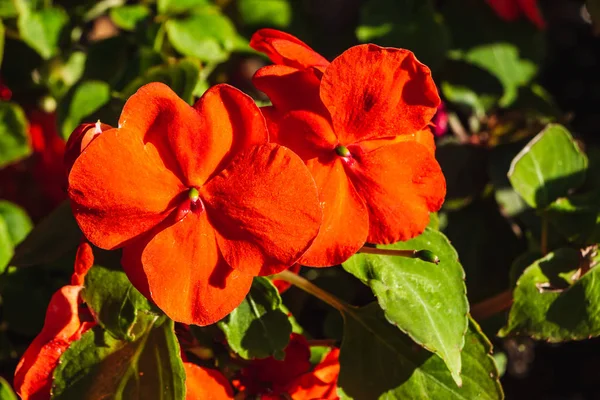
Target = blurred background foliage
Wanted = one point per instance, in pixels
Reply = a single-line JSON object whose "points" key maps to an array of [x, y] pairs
{"points": [[64, 62]]}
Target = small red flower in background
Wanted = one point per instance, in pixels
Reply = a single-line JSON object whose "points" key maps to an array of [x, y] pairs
{"points": [[63, 325], [361, 126], [197, 197], [511, 10], [270, 378]]}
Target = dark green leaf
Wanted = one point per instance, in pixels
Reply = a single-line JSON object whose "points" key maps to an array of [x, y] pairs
{"points": [[577, 217], [1, 41], [275, 13], [178, 6], [426, 301], [181, 77], [377, 361], [85, 98], [17, 221], [100, 366], [549, 166], [258, 328], [52, 238], [107, 60], [407, 24], [206, 34], [41, 30], [128, 17], [6, 392], [551, 304], [14, 144], [117, 306]]}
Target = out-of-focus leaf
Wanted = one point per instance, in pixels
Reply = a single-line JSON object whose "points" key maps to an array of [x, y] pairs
{"points": [[14, 144], [549, 166], [6, 246], [101, 366], [107, 60], [377, 361], [41, 29], [117, 306], [1, 41], [52, 238], [408, 24], [426, 301], [8, 9], [205, 34], [181, 77], [6, 392], [84, 99], [129, 16], [179, 6], [63, 74], [258, 328], [551, 303], [17, 221], [275, 13]]}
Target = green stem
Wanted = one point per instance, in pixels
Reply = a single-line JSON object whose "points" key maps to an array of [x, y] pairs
{"points": [[316, 291], [424, 255]]}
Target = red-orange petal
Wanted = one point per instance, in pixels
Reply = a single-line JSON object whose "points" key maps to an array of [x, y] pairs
{"points": [[229, 122], [308, 134], [33, 376], [345, 219], [180, 267], [264, 208], [289, 88], [206, 383], [120, 188], [80, 139], [285, 49], [84, 260], [320, 383], [374, 92], [532, 11], [400, 184], [508, 10]]}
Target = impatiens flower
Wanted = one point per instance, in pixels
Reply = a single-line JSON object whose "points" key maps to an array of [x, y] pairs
{"points": [[81, 137], [84, 261], [63, 325], [197, 198], [292, 377], [511, 10], [361, 126], [206, 384]]}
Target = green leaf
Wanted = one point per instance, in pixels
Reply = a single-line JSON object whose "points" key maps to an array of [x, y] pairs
{"points": [[551, 304], [179, 6], [41, 30], [6, 392], [17, 221], [181, 77], [577, 217], [128, 17], [52, 238], [1, 41], [101, 366], [83, 100], [8, 9], [377, 361], [14, 144], [407, 24], [65, 72], [206, 34], [6, 246], [426, 301], [258, 328], [549, 166], [116, 305], [107, 60], [275, 13]]}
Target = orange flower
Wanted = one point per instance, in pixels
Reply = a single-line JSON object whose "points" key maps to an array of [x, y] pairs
{"points": [[361, 126], [511, 10], [270, 378], [205, 383], [197, 197], [63, 325]]}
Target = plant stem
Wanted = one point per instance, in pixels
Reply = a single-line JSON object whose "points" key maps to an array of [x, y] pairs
{"points": [[492, 306], [316, 291], [322, 342], [388, 252]]}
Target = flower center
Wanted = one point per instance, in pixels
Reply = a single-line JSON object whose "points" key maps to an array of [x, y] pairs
{"points": [[342, 151], [194, 195]]}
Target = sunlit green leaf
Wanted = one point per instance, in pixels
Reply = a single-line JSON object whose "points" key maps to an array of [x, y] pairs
{"points": [[275, 13], [179, 6], [549, 166], [84, 99], [17, 221], [6, 246], [41, 29], [14, 144], [424, 300], [377, 361], [258, 327], [129, 16], [6, 392]]}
